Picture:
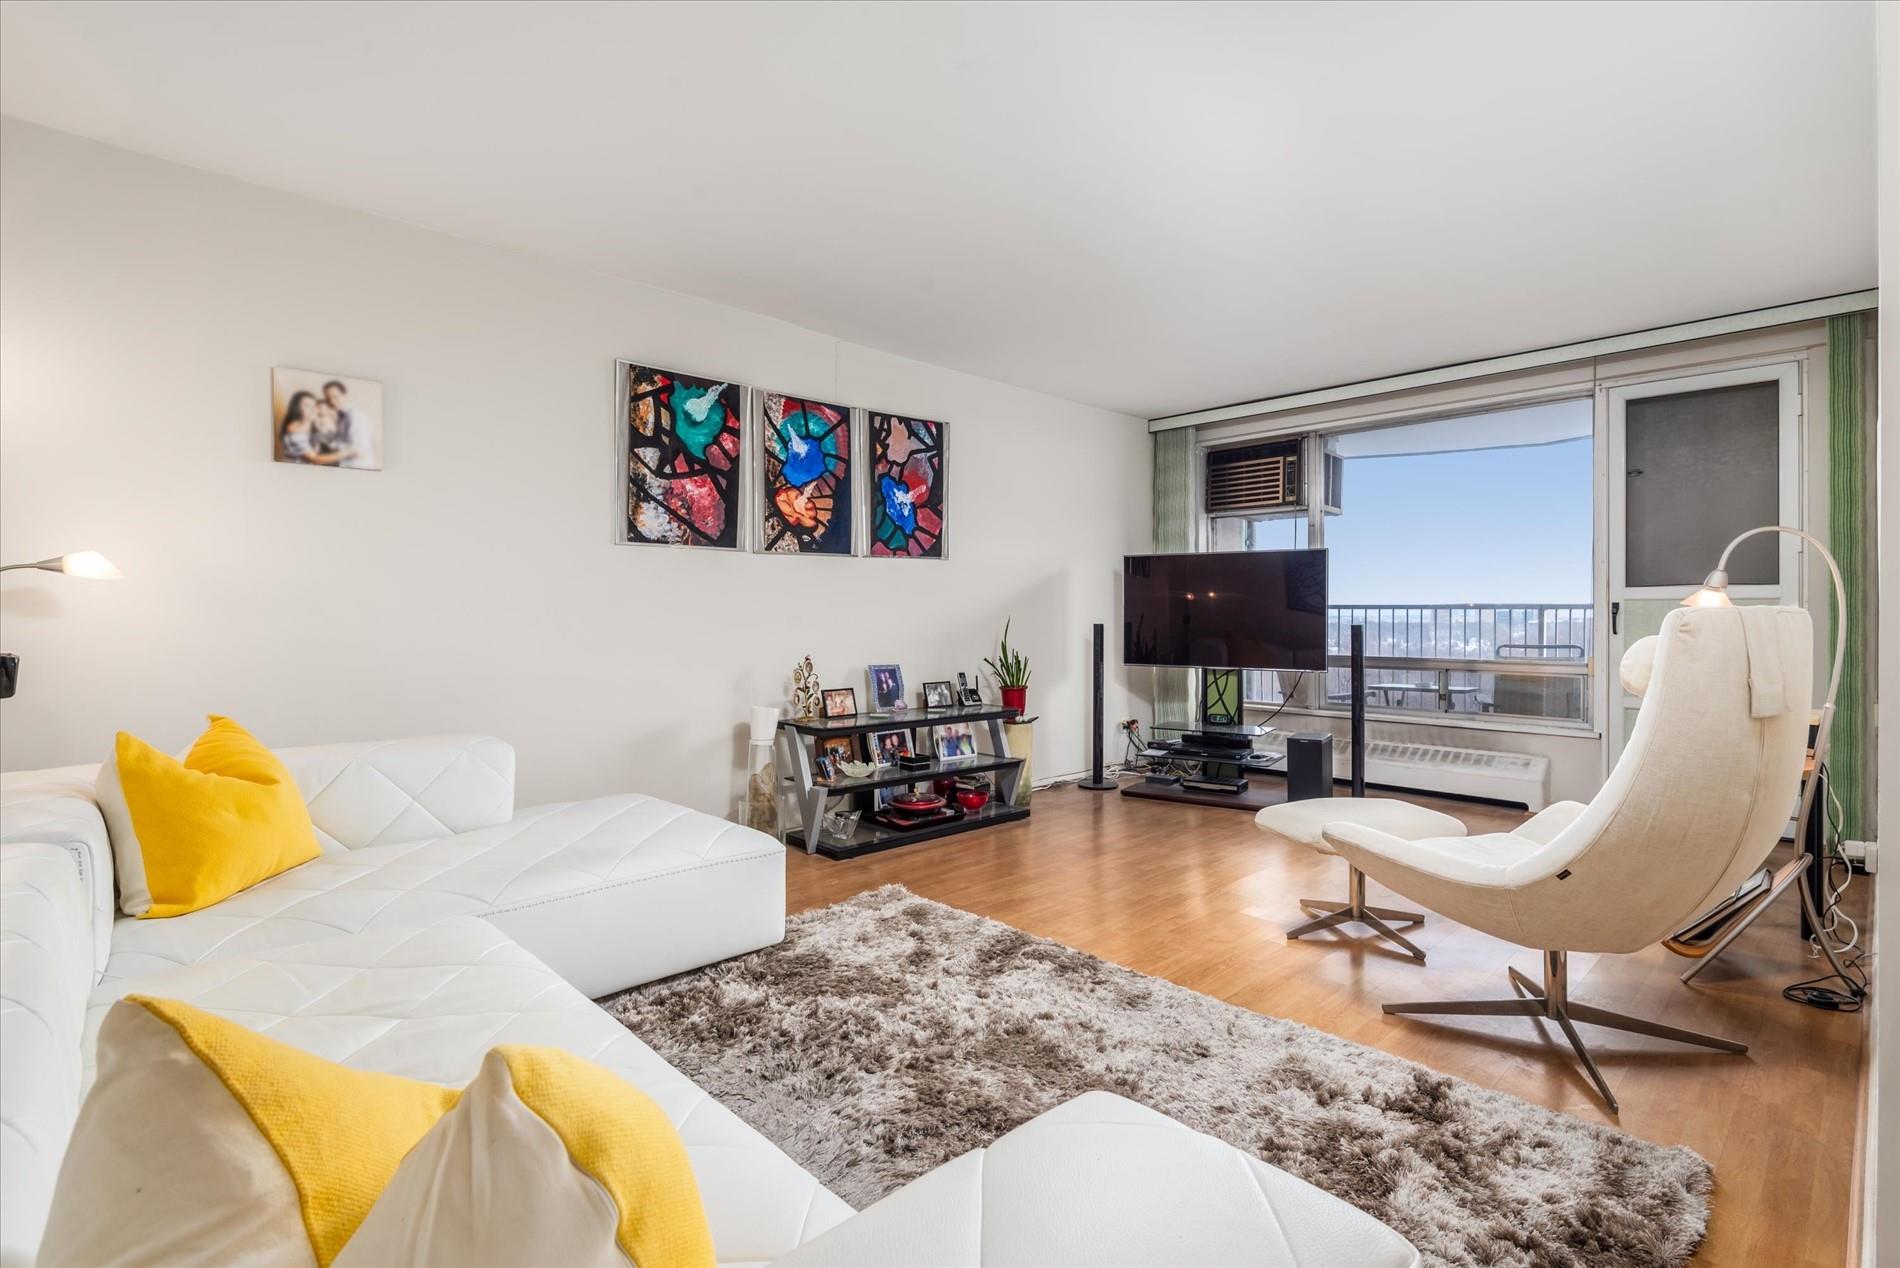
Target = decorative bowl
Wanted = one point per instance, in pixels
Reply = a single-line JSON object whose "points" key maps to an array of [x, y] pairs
{"points": [[972, 798], [857, 770]]}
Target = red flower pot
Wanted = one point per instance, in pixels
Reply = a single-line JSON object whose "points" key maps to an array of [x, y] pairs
{"points": [[1016, 698]]}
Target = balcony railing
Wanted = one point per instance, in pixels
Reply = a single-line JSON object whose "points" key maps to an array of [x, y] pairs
{"points": [[1498, 659]]}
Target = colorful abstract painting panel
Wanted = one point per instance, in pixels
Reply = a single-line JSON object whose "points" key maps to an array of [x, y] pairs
{"points": [[907, 494], [807, 486], [683, 451]]}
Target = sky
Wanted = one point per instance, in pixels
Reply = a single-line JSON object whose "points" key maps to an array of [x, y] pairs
{"points": [[1474, 526]]}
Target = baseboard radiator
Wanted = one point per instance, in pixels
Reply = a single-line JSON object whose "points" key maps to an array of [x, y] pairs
{"points": [[1521, 778]]}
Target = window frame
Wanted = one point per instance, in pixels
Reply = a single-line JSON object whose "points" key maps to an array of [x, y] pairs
{"points": [[1573, 383]]}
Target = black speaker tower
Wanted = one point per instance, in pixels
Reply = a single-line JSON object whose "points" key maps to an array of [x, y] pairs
{"points": [[1358, 710], [1097, 781]]}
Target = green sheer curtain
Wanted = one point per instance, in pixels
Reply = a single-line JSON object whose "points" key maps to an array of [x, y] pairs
{"points": [[1173, 531], [1850, 525]]}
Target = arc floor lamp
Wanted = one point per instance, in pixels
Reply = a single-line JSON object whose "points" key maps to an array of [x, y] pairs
{"points": [[1714, 594], [84, 563]]}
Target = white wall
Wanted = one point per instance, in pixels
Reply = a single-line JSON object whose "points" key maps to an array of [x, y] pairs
{"points": [[473, 583], [1880, 1242]]}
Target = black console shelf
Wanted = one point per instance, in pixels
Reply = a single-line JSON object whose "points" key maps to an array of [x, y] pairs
{"points": [[870, 838], [861, 723], [797, 738], [939, 768]]}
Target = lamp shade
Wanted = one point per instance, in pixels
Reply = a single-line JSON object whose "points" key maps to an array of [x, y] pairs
{"points": [[90, 564], [1713, 594], [81, 563]]}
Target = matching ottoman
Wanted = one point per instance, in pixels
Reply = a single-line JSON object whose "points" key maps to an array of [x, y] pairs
{"points": [[1101, 1180], [1306, 822]]}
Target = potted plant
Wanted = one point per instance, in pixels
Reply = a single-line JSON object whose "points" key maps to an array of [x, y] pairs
{"points": [[1011, 670]]}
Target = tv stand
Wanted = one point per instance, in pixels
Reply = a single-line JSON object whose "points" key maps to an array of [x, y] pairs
{"points": [[1225, 757]]}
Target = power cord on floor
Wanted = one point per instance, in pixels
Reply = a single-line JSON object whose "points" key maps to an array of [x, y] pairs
{"points": [[1844, 992]]}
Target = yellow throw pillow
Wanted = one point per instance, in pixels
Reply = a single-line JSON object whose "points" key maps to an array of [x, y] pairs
{"points": [[204, 1142], [546, 1159], [189, 834]]}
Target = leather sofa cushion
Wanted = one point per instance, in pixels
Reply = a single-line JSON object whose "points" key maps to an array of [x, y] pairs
{"points": [[1101, 1180], [45, 978], [56, 807], [598, 858]]}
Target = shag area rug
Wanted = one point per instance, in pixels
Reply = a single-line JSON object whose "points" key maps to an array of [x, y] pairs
{"points": [[888, 1034]]}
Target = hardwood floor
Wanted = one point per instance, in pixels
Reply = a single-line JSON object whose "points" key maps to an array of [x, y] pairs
{"points": [[1202, 898]]}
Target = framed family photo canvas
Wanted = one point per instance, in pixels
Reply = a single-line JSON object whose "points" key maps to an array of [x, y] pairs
{"points": [[683, 440], [320, 419]]}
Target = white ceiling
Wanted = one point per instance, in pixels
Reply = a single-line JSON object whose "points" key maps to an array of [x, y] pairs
{"points": [[1150, 207]]}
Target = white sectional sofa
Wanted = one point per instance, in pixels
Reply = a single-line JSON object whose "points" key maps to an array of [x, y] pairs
{"points": [[441, 921]]}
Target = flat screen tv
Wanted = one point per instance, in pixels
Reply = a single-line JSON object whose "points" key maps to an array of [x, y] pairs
{"points": [[1256, 609]]}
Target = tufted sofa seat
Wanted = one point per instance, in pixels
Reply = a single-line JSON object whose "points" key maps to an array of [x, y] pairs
{"points": [[441, 921], [438, 921], [428, 1003]]}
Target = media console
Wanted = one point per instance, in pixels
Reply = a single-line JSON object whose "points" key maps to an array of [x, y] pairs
{"points": [[1211, 767], [1219, 757]]}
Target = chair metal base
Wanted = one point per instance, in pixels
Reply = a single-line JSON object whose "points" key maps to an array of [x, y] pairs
{"points": [[1356, 911], [1552, 1002]]}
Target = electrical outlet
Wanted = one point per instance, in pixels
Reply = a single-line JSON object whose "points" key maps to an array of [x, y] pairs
{"points": [[1864, 854]]}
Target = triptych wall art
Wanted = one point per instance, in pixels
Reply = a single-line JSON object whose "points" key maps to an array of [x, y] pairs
{"points": [[684, 439], [714, 464], [806, 502], [907, 502]]}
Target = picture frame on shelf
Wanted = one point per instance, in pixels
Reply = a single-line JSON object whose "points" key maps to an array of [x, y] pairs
{"points": [[824, 769], [887, 687], [840, 702], [955, 742], [837, 748], [940, 695], [886, 745]]}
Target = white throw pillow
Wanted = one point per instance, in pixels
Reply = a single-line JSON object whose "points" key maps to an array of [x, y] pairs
{"points": [[1639, 662], [546, 1159], [128, 860]]}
